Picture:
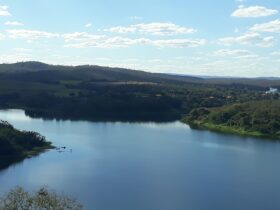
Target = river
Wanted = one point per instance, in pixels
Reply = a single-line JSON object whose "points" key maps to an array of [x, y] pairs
{"points": [[148, 166]]}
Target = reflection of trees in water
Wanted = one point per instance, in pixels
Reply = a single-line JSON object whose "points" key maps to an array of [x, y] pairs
{"points": [[105, 116], [5, 162]]}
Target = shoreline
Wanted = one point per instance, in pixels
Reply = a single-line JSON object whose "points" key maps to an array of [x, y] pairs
{"points": [[229, 130], [37, 151], [8, 161], [17, 145]]}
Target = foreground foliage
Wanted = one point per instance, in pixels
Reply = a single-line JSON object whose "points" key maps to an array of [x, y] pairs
{"points": [[43, 199]]}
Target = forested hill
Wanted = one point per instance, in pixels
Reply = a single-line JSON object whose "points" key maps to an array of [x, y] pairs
{"points": [[257, 118], [259, 83], [114, 94], [37, 70]]}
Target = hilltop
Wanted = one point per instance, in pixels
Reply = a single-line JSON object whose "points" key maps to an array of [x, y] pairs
{"points": [[38, 70]]}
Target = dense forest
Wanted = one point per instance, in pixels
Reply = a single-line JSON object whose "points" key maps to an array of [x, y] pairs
{"points": [[16, 145], [113, 94], [260, 118], [102, 93]]}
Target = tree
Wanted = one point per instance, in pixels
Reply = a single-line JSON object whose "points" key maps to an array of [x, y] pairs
{"points": [[43, 199]]}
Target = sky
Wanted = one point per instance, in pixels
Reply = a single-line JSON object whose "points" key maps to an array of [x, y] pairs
{"points": [[193, 37]]}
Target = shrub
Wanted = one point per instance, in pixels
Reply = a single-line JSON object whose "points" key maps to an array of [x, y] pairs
{"points": [[43, 199]]}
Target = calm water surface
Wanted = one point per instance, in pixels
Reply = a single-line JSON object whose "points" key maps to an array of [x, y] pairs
{"points": [[149, 166]]}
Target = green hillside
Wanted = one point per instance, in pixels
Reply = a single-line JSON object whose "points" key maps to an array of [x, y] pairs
{"points": [[256, 118], [115, 94]]}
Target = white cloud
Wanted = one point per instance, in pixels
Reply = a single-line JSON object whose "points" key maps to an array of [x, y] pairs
{"points": [[153, 28], [4, 11], [22, 50], [15, 57], [136, 18], [227, 52], [240, 54], [30, 34], [2, 36], [272, 26], [249, 38], [122, 29], [253, 12], [122, 42], [250, 56], [84, 40], [179, 43], [276, 53], [13, 23], [88, 25], [81, 37], [267, 41]]}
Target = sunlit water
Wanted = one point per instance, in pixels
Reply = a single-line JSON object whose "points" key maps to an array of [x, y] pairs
{"points": [[149, 166]]}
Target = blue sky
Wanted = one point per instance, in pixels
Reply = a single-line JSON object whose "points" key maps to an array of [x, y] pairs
{"points": [[197, 37]]}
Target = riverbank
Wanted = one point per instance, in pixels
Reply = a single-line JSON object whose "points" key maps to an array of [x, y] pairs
{"points": [[6, 161], [16, 145], [227, 129], [255, 118]]}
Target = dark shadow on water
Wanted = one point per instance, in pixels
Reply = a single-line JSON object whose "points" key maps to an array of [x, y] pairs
{"points": [[229, 134], [6, 162], [105, 117]]}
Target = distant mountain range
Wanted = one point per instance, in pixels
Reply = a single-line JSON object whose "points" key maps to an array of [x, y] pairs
{"points": [[41, 72], [93, 72]]}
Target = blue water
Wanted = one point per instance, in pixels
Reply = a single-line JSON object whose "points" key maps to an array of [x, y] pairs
{"points": [[149, 166]]}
